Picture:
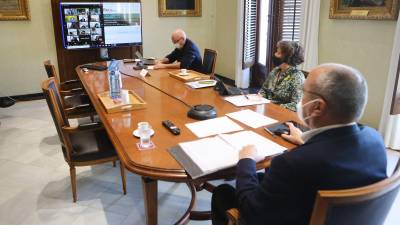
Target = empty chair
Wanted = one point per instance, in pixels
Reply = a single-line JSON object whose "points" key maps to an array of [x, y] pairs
{"points": [[367, 205], [68, 87], [83, 145], [75, 101], [209, 61]]}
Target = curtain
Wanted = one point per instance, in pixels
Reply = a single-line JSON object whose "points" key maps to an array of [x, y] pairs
{"points": [[309, 33], [390, 124]]}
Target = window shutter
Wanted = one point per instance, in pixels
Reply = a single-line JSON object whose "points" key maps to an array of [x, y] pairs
{"points": [[290, 12], [249, 33]]}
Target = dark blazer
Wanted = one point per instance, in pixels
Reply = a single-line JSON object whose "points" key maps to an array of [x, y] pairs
{"points": [[340, 158], [189, 56]]}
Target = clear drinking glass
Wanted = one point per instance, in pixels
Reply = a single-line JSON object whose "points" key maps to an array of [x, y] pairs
{"points": [[144, 134], [145, 141]]}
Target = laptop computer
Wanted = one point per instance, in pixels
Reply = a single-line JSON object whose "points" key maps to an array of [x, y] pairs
{"points": [[146, 61]]}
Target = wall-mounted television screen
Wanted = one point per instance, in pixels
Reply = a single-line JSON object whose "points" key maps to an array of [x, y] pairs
{"points": [[100, 24]]}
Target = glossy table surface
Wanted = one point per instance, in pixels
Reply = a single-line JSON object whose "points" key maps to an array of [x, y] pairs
{"points": [[155, 90]]}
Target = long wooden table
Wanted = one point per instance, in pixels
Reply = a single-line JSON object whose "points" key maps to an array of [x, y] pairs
{"points": [[158, 164]]}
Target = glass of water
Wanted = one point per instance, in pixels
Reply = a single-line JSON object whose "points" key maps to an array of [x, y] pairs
{"points": [[144, 133]]}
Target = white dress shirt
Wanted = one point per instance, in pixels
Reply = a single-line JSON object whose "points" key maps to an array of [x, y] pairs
{"points": [[311, 133]]}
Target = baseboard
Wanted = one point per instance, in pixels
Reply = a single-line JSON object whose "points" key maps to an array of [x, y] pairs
{"points": [[27, 97]]}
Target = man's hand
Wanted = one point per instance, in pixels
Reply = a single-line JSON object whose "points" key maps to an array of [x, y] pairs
{"points": [[159, 66], [294, 135], [248, 152]]}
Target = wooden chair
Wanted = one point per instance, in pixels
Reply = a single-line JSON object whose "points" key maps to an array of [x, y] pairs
{"points": [[209, 61], [367, 205], [84, 145], [75, 101]]}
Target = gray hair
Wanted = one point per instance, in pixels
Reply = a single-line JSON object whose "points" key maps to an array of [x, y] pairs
{"points": [[345, 90]]}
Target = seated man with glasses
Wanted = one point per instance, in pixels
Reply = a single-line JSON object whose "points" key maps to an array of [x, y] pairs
{"points": [[186, 54], [337, 153]]}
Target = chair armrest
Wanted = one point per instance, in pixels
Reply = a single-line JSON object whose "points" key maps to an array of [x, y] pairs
{"points": [[84, 127], [70, 82], [79, 107], [233, 216], [80, 110], [71, 92]]}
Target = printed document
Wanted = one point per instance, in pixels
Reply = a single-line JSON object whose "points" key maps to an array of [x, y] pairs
{"points": [[251, 118], [210, 127], [246, 100], [211, 154]]}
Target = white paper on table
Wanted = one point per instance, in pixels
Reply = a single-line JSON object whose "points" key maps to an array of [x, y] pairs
{"points": [[150, 67], [241, 100], [208, 155], [264, 146], [209, 127], [201, 83], [251, 118]]}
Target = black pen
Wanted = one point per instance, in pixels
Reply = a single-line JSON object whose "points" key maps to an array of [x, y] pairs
{"points": [[245, 95], [273, 135]]}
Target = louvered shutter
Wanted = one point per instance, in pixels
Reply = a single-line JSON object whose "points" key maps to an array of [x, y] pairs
{"points": [[290, 19], [250, 33]]}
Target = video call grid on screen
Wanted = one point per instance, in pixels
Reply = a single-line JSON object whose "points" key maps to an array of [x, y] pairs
{"points": [[99, 25]]}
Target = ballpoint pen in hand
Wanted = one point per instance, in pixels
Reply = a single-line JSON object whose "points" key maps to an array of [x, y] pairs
{"points": [[245, 95]]}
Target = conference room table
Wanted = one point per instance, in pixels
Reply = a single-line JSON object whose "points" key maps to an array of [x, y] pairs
{"points": [[167, 99]]}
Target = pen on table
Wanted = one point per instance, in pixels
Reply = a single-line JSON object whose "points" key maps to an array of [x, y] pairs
{"points": [[245, 95], [273, 135]]}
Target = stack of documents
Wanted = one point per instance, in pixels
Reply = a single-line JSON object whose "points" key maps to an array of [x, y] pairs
{"points": [[208, 155], [246, 100]]}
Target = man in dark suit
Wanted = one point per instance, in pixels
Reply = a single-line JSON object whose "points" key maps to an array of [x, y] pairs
{"points": [[186, 54], [336, 153]]}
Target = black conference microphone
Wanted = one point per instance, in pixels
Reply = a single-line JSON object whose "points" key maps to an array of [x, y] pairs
{"points": [[202, 112]]}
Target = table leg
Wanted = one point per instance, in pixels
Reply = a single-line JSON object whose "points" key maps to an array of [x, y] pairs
{"points": [[150, 200]]}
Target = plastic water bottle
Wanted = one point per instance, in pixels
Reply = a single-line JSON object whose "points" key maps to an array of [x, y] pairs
{"points": [[114, 78]]}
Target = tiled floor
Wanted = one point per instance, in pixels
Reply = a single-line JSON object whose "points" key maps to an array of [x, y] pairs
{"points": [[35, 186]]}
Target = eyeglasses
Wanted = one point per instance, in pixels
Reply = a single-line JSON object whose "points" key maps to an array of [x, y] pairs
{"points": [[176, 41]]}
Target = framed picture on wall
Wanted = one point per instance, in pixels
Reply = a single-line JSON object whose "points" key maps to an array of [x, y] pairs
{"points": [[171, 8], [14, 10], [364, 9]]}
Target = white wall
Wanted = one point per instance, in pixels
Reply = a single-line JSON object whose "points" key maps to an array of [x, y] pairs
{"points": [[24, 45], [157, 30], [226, 37], [363, 44]]}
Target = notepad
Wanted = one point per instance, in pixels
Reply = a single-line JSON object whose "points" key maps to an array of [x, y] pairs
{"points": [[251, 118], [215, 126], [241, 100], [208, 155]]}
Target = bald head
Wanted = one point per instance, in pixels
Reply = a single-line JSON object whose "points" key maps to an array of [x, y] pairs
{"points": [[177, 35], [342, 87]]}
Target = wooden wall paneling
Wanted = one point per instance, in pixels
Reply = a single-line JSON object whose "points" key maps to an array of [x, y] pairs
{"points": [[69, 59]]}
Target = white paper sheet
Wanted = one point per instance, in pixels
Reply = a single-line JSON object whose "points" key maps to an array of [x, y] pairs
{"points": [[251, 118], [241, 100], [265, 147], [209, 127], [222, 151]]}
